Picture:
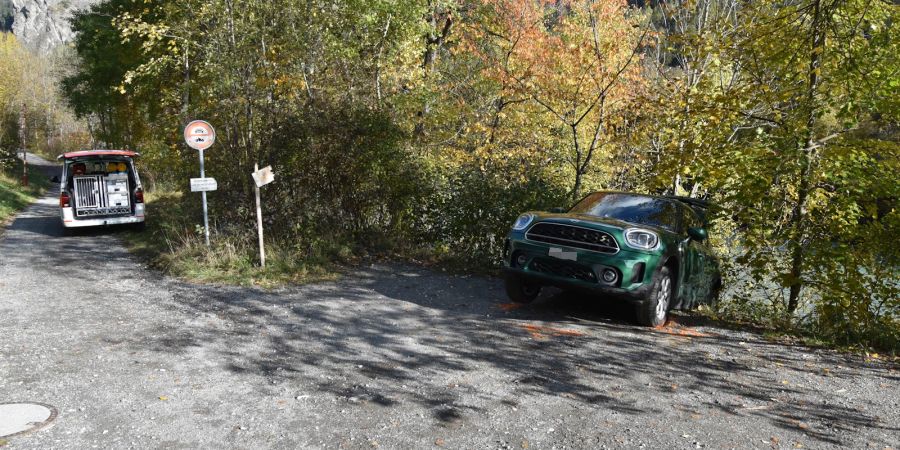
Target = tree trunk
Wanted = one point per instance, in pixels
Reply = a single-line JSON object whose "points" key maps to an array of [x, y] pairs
{"points": [[798, 220], [433, 44], [576, 189], [186, 86]]}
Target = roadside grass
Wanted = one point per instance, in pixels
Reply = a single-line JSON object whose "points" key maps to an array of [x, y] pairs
{"points": [[882, 347], [14, 197], [173, 243]]}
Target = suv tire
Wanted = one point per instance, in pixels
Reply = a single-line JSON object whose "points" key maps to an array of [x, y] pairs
{"points": [[519, 290], [652, 312]]}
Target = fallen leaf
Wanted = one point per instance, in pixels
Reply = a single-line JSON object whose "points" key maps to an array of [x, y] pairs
{"points": [[510, 306], [541, 332], [163, 397], [525, 443]]}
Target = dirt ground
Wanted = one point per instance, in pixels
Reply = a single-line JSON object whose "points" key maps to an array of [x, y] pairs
{"points": [[394, 357]]}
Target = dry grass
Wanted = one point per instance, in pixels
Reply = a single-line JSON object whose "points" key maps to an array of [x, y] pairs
{"points": [[175, 245], [14, 197]]}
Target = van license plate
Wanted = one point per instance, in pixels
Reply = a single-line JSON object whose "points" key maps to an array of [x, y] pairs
{"points": [[561, 254]]}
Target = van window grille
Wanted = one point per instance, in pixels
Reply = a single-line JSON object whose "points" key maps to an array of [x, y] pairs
{"points": [[87, 192], [98, 195]]}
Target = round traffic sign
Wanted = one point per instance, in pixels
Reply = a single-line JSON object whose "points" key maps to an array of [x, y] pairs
{"points": [[199, 135]]}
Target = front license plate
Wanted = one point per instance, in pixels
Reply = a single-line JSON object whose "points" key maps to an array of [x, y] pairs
{"points": [[561, 254]]}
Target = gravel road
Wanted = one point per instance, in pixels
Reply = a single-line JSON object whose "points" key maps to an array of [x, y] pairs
{"points": [[393, 357]]}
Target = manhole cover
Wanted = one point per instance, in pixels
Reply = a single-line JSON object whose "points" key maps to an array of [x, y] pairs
{"points": [[20, 418]]}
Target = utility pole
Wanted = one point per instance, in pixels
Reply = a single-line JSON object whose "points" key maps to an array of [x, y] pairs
{"points": [[22, 138]]}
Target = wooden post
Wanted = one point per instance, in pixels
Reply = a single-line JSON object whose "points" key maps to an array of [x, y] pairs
{"points": [[259, 226], [23, 137]]}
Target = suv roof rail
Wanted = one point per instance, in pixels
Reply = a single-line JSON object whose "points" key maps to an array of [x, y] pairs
{"points": [[691, 201]]}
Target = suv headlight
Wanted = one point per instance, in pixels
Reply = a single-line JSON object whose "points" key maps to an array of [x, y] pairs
{"points": [[640, 238], [523, 221]]}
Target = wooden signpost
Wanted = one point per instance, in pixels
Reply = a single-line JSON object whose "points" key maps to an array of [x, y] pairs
{"points": [[200, 135], [24, 138], [261, 177]]}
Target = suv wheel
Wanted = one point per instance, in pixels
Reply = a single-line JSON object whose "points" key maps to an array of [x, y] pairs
{"points": [[519, 290], [653, 310]]}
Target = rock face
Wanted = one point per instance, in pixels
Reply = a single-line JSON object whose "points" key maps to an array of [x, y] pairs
{"points": [[40, 24]]}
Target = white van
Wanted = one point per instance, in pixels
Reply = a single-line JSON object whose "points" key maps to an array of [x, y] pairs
{"points": [[100, 187]]}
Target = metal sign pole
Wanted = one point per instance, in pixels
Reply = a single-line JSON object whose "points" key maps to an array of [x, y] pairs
{"points": [[259, 225], [205, 215], [200, 135]]}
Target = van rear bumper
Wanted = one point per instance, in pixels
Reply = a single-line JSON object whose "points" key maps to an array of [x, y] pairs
{"points": [[69, 220]]}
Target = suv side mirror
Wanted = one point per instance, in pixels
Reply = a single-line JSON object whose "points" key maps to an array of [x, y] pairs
{"points": [[698, 234], [55, 179], [559, 210]]}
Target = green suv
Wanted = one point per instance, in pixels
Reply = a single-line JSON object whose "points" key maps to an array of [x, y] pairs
{"points": [[649, 250]]}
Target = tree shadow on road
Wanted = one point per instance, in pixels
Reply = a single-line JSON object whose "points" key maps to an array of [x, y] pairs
{"points": [[398, 336]]}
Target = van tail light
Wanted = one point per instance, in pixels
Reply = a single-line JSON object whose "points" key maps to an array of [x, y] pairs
{"points": [[64, 200], [139, 195]]}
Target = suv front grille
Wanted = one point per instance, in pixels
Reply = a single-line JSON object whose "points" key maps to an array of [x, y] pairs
{"points": [[563, 269], [572, 236]]}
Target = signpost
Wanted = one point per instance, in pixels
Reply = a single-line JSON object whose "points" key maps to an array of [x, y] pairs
{"points": [[24, 139], [261, 177], [200, 135]]}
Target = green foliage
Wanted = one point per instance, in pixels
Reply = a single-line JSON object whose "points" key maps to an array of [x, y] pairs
{"points": [[374, 190], [394, 125], [172, 242], [471, 210], [13, 196], [793, 138], [29, 96], [104, 59]]}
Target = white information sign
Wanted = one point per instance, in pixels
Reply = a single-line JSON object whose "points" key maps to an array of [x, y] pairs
{"points": [[203, 184], [263, 176]]}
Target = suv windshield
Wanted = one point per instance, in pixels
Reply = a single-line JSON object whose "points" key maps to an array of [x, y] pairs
{"points": [[639, 209]]}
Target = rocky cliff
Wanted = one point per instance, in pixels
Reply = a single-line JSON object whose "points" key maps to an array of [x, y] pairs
{"points": [[40, 24]]}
